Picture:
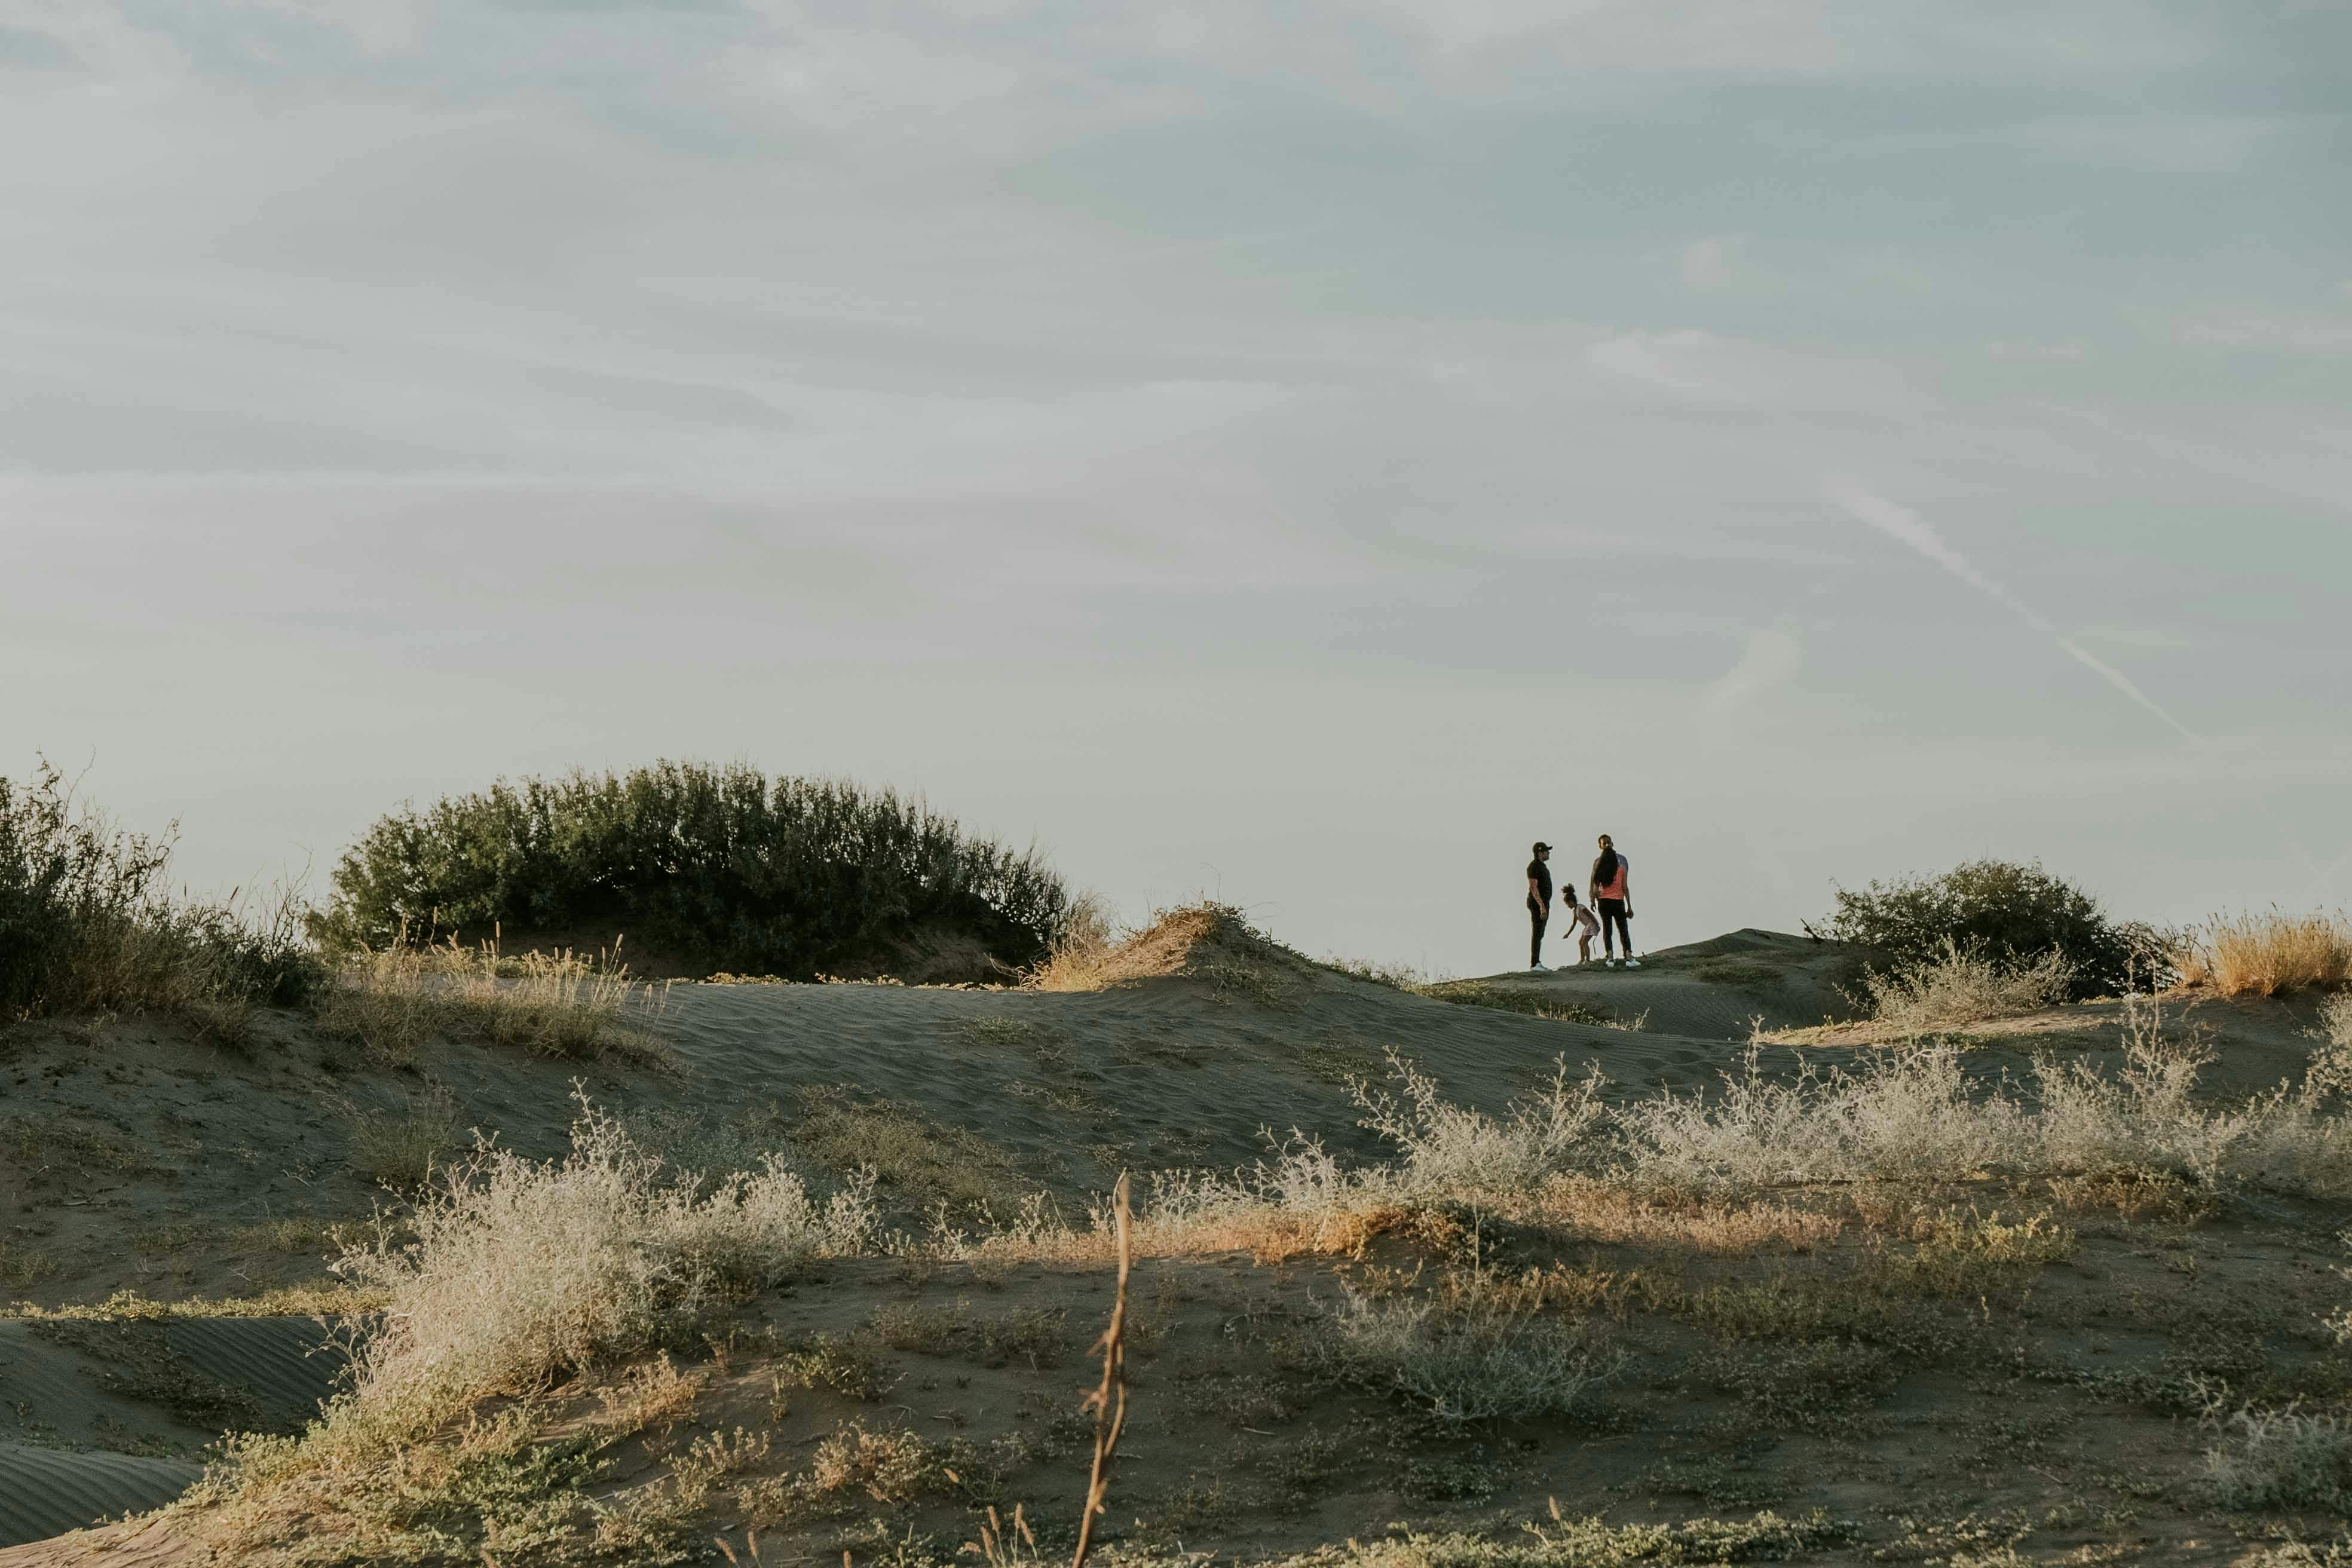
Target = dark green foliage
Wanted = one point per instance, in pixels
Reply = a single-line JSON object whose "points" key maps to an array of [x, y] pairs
{"points": [[717, 866], [2006, 912], [86, 921]]}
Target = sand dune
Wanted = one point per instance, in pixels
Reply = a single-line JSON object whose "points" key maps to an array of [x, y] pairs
{"points": [[1715, 989], [79, 1393], [144, 1159], [51, 1491]]}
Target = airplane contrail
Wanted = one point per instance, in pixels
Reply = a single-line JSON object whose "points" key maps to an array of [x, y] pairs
{"points": [[1902, 524]]}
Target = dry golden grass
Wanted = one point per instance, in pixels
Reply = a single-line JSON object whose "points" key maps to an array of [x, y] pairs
{"points": [[1212, 941], [2267, 955], [1082, 953], [392, 1000]]}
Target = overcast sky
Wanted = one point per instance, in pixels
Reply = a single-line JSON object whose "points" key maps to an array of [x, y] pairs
{"points": [[1301, 452]]}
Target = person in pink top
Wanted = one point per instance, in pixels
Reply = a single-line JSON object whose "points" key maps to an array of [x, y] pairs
{"points": [[1613, 900]]}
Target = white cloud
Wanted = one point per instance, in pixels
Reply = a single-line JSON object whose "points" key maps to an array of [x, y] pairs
{"points": [[2296, 334], [1715, 263], [2065, 350], [1772, 657], [1901, 523], [1685, 361], [2137, 636]]}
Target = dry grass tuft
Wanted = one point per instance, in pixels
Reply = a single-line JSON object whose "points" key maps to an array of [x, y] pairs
{"points": [[401, 1149], [1211, 941], [1523, 1000], [1606, 1212], [1960, 986], [1082, 957], [2287, 1458], [2268, 954], [392, 1000], [1468, 1353], [919, 1161]]}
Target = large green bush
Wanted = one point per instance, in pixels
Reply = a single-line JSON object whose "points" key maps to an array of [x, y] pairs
{"points": [[87, 920], [718, 867], [2003, 910]]}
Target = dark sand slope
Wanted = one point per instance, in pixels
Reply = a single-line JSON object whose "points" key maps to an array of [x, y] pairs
{"points": [[144, 1159], [98, 1418], [1156, 1073], [1705, 990], [48, 1492]]}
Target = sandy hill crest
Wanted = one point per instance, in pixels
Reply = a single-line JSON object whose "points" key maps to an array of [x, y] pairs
{"points": [[137, 1157]]}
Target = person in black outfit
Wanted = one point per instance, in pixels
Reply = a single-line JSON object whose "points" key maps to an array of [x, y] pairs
{"points": [[1538, 903]]}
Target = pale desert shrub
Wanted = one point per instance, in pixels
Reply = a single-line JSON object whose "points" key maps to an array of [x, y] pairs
{"points": [[2267, 955], [1907, 1116], [2144, 1118], [1959, 986], [1461, 1362], [1604, 1210], [1446, 1147], [2336, 1021], [1699, 1165], [523, 1270], [2280, 1459], [1303, 1198]]}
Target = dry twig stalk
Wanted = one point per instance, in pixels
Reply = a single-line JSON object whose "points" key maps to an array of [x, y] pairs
{"points": [[1108, 1401]]}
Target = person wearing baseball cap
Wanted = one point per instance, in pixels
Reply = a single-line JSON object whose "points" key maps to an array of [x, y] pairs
{"points": [[1539, 906]]}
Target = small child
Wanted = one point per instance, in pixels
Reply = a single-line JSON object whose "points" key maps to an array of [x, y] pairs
{"points": [[1588, 926]]}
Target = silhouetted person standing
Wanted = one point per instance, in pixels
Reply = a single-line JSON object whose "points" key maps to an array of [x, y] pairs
{"points": [[1539, 905], [1613, 901]]}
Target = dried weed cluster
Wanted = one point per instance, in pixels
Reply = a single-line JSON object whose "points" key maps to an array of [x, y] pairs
{"points": [[2267, 955], [519, 1271], [391, 1000], [1207, 940], [1912, 1117], [509, 1275], [1960, 986]]}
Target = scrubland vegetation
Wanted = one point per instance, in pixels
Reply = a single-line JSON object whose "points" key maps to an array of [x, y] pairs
{"points": [[88, 923], [2005, 914], [2095, 1283], [721, 866], [1864, 1226]]}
